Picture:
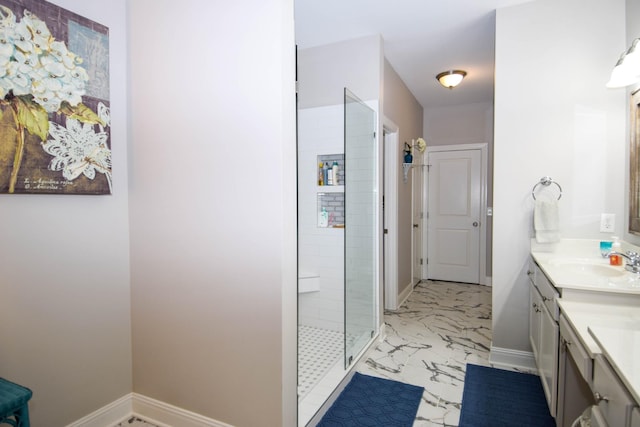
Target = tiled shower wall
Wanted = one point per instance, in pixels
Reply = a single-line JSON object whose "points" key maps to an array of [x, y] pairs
{"points": [[321, 250]]}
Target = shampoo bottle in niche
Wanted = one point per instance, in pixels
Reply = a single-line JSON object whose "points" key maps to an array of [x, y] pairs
{"points": [[335, 173], [614, 258], [330, 177], [320, 174], [325, 173]]}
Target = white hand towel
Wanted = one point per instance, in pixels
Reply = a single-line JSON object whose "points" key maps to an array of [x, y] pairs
{"points": [[546, 221]]}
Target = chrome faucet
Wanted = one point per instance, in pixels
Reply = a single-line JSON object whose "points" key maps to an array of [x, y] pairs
{"points": [[633, 260]]}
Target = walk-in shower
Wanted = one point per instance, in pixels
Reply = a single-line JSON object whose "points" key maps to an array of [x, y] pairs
{"points": [[337, 244]]}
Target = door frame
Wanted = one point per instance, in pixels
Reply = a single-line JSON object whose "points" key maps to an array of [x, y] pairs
{"points": [[391, 139], [484, 149], [418, 193]]}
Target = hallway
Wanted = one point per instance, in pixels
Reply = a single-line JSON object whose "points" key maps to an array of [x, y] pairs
{"points": [[429, 340]]}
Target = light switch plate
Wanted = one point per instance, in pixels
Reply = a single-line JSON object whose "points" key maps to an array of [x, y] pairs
{"points": [[607, 222]]}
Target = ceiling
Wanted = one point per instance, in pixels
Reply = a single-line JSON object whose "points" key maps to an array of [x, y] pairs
{"points": [[421, 39]]}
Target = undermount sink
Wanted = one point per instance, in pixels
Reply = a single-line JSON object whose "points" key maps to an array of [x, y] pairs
{"points": [[588, 267]]}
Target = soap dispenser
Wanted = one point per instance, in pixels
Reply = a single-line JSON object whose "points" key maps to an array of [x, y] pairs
{"points": [[615, 258]]}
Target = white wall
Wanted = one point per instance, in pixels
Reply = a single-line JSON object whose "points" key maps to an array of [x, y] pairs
{"points": [[212, 207], [324, 71], [65, 296], [465, 124], [553, 116]]}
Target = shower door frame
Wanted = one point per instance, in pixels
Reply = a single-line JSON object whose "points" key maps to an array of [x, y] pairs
{"points": [[360, 340]]}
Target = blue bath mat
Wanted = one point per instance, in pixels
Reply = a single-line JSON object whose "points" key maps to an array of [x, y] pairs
{"points": [[372, 402], [498, 398]]}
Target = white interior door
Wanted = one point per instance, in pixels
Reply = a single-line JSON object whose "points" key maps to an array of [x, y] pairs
{"points": [[454, 208]]}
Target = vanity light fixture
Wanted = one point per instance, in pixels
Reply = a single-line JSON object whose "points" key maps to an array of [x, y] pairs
{"points": [[627, 69], [451, 78]]}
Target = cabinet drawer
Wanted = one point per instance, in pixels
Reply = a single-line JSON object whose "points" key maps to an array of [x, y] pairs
{"points": [[578, 353], [612, 397], [547, 291]]}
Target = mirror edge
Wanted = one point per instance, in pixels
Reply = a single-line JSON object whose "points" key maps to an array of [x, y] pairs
{"points": [[634, 164]]}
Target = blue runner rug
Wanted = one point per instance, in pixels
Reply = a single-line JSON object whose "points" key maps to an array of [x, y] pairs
{"points": [[373, 402], [498, 398]]}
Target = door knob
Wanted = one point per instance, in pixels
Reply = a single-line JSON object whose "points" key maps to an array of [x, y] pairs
{"points": [[475, 223], [415, 225]]}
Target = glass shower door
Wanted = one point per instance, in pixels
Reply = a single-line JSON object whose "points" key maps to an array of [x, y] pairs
{"points": [[361, 211]]}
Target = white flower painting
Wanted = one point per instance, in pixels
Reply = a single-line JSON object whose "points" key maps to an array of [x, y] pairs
{"points": [[57, 137], [78, 149]]}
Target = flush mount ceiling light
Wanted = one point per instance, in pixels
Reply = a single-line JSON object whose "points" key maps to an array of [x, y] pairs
{"points": [[451, 78]]}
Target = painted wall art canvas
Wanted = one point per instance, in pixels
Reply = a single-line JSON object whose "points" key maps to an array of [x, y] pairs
{"points": [[55, 127]]}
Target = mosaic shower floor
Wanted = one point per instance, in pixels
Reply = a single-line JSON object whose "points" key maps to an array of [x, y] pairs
{"points": [[318, 351]]}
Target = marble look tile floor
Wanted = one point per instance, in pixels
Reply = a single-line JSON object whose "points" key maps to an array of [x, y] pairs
{"points": [[429, 340]]}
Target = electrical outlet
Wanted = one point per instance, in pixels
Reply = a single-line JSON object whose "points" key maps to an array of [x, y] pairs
{"points": [[607, 222]]}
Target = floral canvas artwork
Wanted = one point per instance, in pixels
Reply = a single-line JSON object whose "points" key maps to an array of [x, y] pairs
{"points": [[55, 119]]}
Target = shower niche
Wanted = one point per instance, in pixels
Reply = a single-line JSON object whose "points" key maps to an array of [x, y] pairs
{"points": [[337, 245]]}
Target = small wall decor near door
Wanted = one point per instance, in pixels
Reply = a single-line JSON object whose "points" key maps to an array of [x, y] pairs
{"points": [[54, 101]]}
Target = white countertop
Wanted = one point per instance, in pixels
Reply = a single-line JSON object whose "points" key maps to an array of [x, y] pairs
{"points": [[577, 264], [606, 323], [621, 346], [584, 315]]}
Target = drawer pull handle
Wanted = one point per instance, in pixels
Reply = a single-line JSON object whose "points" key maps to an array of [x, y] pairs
{"points": [[529, 272], [600, 398], [545, 298]]}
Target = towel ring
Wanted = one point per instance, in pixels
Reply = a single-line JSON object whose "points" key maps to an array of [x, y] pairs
{"points": [[546, 181]]}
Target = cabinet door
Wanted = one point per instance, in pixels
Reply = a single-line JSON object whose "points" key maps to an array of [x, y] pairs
{"points": [[614, 402], [548, 355], [574, 393]]}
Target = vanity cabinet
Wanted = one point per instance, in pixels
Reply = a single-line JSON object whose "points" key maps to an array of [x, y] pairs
{"points": [[575, 375], [614, 401], [544, 332]]}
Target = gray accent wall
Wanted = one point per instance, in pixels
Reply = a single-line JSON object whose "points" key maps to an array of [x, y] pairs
{"points": [[402, 108]]}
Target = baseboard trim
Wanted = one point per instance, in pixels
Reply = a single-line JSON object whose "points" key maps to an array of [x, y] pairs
{"points": [[402, 297], [109, 415], [152, 410], [169, 415], [509, 358]]}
